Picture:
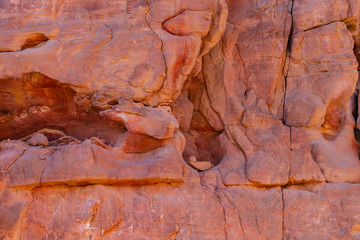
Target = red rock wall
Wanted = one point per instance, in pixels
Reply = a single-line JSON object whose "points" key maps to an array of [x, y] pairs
{"points": [[169, 119]]}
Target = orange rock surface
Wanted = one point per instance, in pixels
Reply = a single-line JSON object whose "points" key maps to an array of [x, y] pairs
{"points": [[179, 119]]}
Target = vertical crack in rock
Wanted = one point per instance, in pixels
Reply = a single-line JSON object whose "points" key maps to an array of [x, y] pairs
{"points": [[94, 212], [108, 41], [208, 96], [321, 169], [224, 214], [256, 217], [356, 114], [349, 8], [88, 10], [24, 215], [59, 8], [234, 206], [147, 13], [41, 175], [242, 63], [290, 157], [288, 55], [187, 202], [333, 213]]}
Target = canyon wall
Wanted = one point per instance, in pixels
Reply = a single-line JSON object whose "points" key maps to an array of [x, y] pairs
{"points": [[179, 119]]}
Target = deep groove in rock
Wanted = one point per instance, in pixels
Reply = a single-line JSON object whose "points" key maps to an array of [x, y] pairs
{"points": [[34, 40], [288, 57], [35, 102]]}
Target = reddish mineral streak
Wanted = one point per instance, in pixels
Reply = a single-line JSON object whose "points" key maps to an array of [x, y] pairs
{"points": [[212, 119]]}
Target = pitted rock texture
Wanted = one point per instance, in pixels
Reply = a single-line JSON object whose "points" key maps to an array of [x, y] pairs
{"points": [[179, 119]]}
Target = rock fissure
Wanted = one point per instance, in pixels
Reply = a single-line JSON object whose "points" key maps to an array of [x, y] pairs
{"points": [[59, 8], [319, 26], [224, 215], [111, 37], [288, 56], [162, 43], [208, 96], [237, 210], [242, 63], [23, 216], [12, 162]]}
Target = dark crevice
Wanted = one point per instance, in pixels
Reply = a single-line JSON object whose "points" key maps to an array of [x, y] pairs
{"points": [[285, 72], [4, 112], [287, 58], [333, 121], [283, 213], [12, 163], [235, 209], [206, 91], [355, 114], [102, 182], [201, 132], [169, 18], [51, 132], [5, 50], [319, 26], [4, 115], [200, 140], [224, 213], [34, 40], [36, 103]]}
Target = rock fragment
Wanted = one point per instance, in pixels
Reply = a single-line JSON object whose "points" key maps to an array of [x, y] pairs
{"points": [[38, 140], [202, 166]]}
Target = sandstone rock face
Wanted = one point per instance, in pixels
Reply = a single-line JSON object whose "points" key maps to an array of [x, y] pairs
{"points": [[169, 119]]}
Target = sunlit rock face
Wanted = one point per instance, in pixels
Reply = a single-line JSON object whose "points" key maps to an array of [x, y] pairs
{"points": [[179, 119]]}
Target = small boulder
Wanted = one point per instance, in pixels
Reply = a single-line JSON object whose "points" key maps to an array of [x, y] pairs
{"points": [[192, 159], [202, 166], [38, 140]]}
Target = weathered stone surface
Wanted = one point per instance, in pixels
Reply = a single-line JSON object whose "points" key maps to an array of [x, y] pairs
{"points": [[311, 71], [189, 22], [304, 109], [8, 157], [303, 168], [106, 105], [270, 163], [338, 159], [169, 216], [308, 215], [260, 218], [141, 119], [89, 163], [183, 111], [312, 14], [326, 211], [232, 168], [13, 207]]}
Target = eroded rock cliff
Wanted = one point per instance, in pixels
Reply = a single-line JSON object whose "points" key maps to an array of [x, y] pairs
{"points": [[179, 119]]}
